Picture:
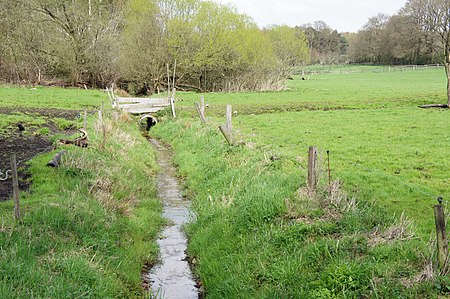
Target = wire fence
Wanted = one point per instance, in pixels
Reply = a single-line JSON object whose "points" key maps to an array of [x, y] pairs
{"points": [[347, 69], [398, 182]]}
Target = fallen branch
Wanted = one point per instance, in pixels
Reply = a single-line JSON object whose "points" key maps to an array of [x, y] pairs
{"points": [[56, 159], [434, 106]]}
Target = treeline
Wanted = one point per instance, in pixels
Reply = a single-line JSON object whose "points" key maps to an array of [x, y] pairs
{"points": [[418, 34], [144, 44], [198, 45], [392, 40], [326, 45]]}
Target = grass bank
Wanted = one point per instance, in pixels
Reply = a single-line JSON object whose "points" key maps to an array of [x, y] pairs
{"points": [[88, 226], [258, 235]]}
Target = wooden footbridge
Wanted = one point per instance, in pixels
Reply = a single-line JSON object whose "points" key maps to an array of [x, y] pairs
{"points": [[142, 105]]}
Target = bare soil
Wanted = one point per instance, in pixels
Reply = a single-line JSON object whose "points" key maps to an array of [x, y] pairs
{"points": [[26, 146]]}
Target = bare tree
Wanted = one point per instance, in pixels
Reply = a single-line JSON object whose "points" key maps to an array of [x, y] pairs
{"points": [[433, 17], [82, 36]]}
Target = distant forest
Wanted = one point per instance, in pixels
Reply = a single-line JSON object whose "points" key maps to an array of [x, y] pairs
{"points": [[199, 45]]}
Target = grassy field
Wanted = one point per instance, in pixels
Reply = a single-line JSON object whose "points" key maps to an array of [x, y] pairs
{"points": [[257, 235], [379, 141], [330, 92], [88, 226], [50, 98]]}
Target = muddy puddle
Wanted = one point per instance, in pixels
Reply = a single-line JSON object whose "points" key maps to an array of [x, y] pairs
{"points": [[172, 278]]}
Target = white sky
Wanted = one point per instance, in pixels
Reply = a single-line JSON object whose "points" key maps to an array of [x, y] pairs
{"points": [[342, 15]]}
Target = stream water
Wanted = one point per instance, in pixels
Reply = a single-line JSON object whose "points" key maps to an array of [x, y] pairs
{"points": [[172, 278]]}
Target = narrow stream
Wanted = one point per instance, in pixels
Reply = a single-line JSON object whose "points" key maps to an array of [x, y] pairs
{"points": [[172, 278]]}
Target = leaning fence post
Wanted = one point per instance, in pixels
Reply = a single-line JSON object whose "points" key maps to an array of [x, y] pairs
{"points": [[312, 170], [200, 114], [15, 179], [441, 234], [226, 134]]}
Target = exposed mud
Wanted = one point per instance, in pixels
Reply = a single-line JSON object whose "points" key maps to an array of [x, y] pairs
{"points": [[26, 145], [61, 113], [25, 148], [172, 278]]}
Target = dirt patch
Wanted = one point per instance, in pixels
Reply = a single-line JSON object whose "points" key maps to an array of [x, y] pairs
{"points": [[61, 113], [26, 146]]}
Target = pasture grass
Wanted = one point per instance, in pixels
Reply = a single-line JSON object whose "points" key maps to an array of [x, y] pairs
{"points": [[88, 226], [257, 234], [50, 98], [25, 104], [393, 157], [8, 122], [334, 92]]}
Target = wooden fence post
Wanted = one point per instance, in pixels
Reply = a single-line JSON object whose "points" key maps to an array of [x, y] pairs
{"points": [[312, 170], [168, 81], [199, 111], [229, 116], [172, 103], [109, 95], [226, 134], [15, 179], [202, 105], [441, 234], [100, 121]]}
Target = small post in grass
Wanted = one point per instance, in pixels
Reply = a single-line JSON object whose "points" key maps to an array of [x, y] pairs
{"points": [[15, 179], [199, 111], [202, 105], [226, 134], [229, 116], [172, 101], [441, 234], [100, 120], [329, 170], [312, 170]]}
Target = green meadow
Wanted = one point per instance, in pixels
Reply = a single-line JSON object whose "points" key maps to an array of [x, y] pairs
{"points": [[349, 91], [258, 234], [50, 97], [89, 226], [381, 144]]}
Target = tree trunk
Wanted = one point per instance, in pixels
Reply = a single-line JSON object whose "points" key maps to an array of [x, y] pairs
{"points": [[447, 71]]}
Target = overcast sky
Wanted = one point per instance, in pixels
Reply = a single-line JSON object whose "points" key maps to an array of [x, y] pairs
{"points": [[342, 15]]}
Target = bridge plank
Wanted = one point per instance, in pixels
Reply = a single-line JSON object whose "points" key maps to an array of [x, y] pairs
{"points": [[153, 101]]}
